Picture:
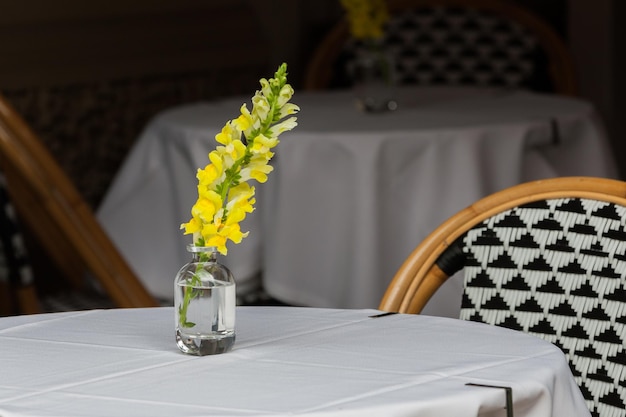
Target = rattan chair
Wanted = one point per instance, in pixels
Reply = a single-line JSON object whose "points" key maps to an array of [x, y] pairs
{"points": [[48, 205], [456, 42], [546, 257]]}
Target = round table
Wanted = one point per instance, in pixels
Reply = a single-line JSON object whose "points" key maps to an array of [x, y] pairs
{"points": [[286, 361], [352, 193]]}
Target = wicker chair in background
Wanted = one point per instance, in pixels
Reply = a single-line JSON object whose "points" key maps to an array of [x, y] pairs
{"points": [[456, 42], [546, 257], [47, 203]]}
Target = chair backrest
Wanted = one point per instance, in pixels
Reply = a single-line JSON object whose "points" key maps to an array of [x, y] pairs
{"points": [[546, 257], [456, 42], [49, 205]]}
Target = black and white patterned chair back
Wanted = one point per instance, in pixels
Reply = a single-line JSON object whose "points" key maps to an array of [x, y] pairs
{"points": [[557, 269], [15, 267], [452, 45]]}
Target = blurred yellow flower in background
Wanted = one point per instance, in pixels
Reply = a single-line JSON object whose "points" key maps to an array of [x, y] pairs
{"points": [[224, 196], [366, 18]]}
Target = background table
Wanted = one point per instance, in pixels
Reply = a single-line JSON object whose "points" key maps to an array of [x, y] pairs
{"points": [[286, 361], [353, 193]]}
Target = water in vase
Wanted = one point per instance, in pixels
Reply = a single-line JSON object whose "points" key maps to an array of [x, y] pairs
{"points": [[205, 317]]}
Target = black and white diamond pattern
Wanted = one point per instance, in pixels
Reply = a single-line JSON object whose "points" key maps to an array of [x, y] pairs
{"points": [[557, 269], [439, 45], [15, 268]]}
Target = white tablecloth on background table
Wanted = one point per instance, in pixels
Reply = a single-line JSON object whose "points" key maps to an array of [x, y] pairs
{"points": [[352, 193], [286, 361]]}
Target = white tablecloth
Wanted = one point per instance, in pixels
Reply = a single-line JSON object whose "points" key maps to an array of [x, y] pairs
{"points": [[352, 193], [286, 361]]}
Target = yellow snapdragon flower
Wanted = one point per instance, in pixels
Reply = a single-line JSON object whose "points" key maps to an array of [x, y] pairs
{"points": [[244, 152], [366, 18]]}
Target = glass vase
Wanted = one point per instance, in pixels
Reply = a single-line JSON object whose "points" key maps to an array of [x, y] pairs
{"points": [[204, 304], [373, 79]]}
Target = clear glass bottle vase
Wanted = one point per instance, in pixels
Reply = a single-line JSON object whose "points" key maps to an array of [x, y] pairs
{"points": [[204, 304], [373, 78]]}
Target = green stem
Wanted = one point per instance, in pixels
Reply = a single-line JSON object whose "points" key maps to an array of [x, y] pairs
{"points": [[190, 294]]}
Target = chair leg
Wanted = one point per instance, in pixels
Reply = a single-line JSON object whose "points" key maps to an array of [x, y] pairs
{"points": [[27, 300]]}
